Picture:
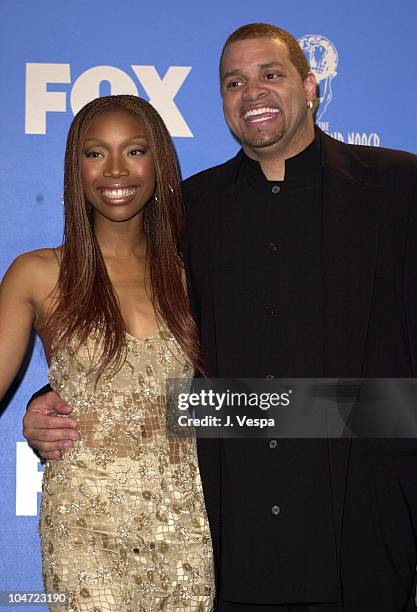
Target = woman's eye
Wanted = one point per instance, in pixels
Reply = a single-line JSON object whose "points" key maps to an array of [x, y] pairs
{"points": [[92, 154], [136, 152]]}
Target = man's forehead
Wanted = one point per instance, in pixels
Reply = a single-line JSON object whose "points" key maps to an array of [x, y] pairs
{"points": [[263, 52]]}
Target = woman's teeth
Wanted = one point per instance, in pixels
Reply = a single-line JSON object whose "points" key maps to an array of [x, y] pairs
{"points": [[118, 193]]}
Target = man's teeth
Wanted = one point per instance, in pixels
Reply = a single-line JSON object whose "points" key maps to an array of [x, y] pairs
{"points": [[261, 111], [118, 193]]}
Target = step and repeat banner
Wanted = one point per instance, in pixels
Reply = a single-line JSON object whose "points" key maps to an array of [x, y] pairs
{"points": [[56, 56]]}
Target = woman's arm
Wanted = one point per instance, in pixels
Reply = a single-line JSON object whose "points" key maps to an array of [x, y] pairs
{"points": [[17, 314], [25, 294]]}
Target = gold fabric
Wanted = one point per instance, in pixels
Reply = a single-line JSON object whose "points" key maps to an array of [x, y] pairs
{"points": [[123, 524]]}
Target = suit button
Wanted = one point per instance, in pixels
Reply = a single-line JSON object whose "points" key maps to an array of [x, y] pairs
{"points": [[272, 247], [271, 311], [273, 444], [276, 189], [276, 510]]}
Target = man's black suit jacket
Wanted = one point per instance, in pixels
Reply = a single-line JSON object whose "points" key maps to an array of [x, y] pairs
{"points": [[369, 303]]}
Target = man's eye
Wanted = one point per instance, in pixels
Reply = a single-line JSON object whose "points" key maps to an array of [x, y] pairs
{"points": [[270, 76], [233, 84]]}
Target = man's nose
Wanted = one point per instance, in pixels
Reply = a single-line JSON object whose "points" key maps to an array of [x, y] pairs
{"points": [[253, 89], [115, 166]]}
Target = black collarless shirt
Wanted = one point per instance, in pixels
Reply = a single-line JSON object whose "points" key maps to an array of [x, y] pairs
{"points": [[276, 231], [269, 275]]}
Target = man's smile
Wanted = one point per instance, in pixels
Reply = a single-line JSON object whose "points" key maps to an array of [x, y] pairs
{"points": [[257, 115]]}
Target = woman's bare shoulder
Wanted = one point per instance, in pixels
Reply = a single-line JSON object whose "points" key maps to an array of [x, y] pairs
{"points": [[40, 256], [35, 269]]}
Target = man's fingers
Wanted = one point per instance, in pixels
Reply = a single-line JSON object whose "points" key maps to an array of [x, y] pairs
{"points": [[51, 455], [49, 403], [60, 407], [45, 428], [54, 446], [43, 434], [41, 421]]}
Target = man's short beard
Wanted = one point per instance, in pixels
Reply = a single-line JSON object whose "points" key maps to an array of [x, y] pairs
{"points": [[262, 140]]}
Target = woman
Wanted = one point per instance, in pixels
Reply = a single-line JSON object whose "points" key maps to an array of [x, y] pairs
{"points": [[123, 524]]}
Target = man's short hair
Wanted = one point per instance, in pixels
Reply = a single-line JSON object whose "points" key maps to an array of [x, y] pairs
{"points": [[266, 30]]}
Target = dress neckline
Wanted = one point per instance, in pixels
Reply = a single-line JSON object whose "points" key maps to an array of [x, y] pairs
{"points": [[147, 338]]}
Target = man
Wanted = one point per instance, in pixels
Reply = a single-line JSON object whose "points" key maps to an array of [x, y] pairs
{"points": [[301, 262]]}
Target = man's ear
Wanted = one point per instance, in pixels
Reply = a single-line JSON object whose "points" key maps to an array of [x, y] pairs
{"points": [[310, 86]]}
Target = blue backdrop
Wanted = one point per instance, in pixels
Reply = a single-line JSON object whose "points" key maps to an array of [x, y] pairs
{"points": [[55, 56]]}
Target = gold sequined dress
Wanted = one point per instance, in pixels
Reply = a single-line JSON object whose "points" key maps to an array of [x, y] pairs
{"points": [[123, 524]]}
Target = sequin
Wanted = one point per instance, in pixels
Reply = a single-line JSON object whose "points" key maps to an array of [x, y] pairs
{"points": [[123, 524]]}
